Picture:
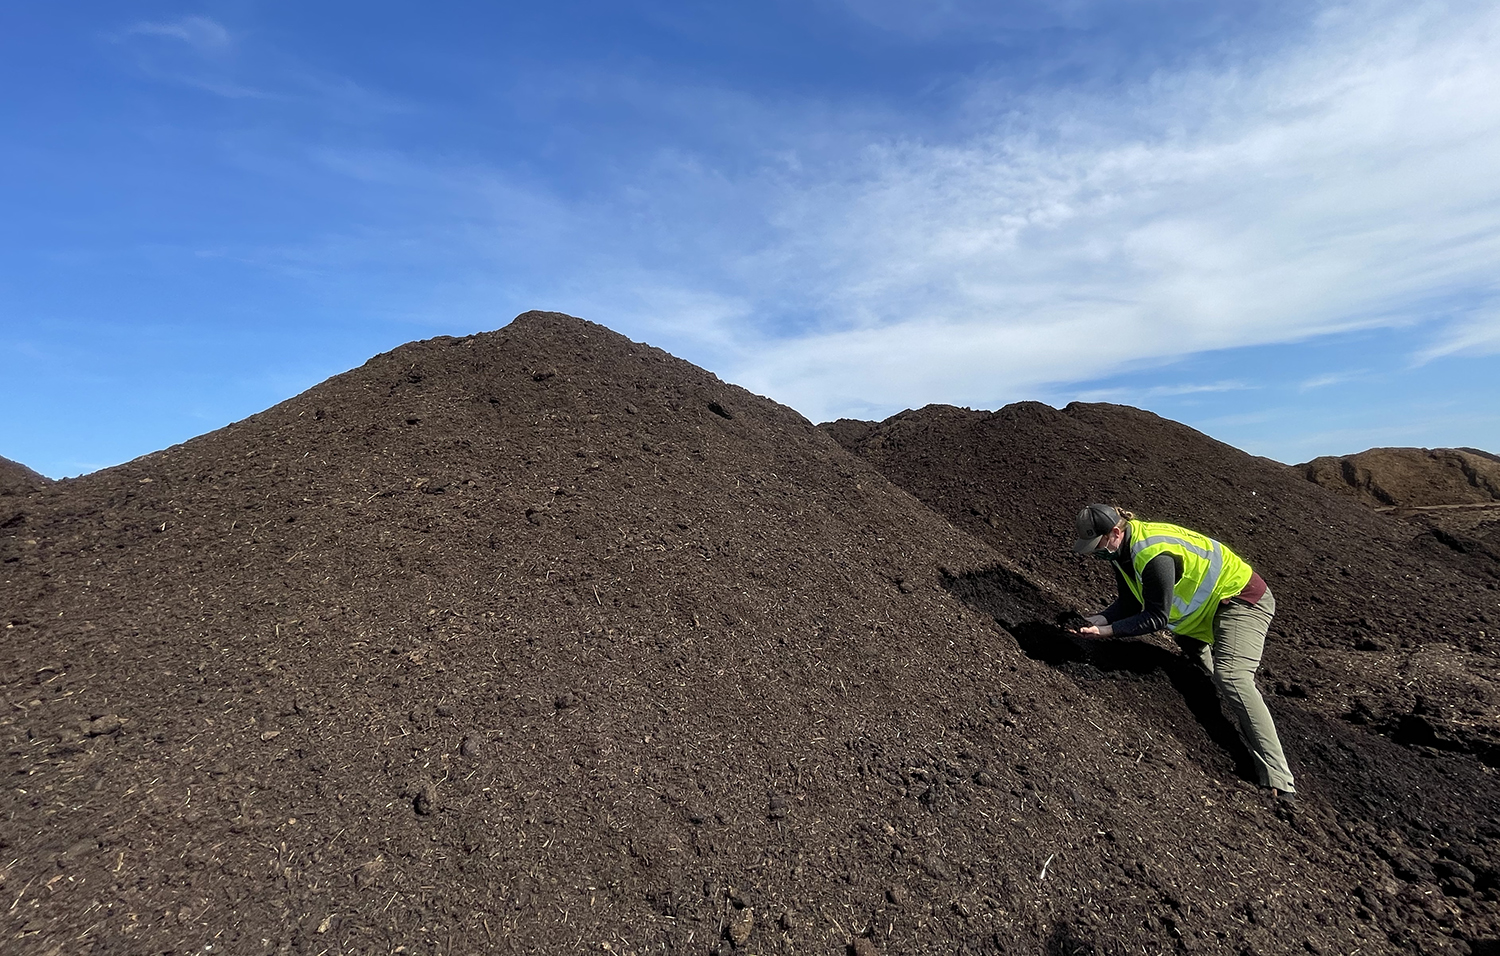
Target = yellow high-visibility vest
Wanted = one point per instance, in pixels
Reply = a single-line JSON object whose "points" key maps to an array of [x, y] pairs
{"points": [[1210, 572]]}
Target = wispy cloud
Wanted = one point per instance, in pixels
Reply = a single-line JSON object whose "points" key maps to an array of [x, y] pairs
{"points": [[200, 33], [1477, 333], [1329, 379], [200, 54], [1340, 185], [1146, 395], [806, 250]]}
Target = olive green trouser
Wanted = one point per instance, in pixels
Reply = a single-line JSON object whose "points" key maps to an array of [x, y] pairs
{"points": [[1239, 641]]}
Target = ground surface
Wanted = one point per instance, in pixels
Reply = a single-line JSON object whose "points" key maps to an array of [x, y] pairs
{"points": [[544, 641]]}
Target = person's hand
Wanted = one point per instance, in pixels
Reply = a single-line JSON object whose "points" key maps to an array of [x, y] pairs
{"points": [[1098, 626], [1071, 621]]}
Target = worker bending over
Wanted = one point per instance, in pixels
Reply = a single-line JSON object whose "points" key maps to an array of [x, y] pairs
{"points": [[1213, 602]]}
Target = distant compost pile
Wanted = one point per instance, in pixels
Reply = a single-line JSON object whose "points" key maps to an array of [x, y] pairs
{"points": [[1411, 477], [542, 640], [1450, 496]]}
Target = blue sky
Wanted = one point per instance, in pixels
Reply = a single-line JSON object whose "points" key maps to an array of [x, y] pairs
{"points": [[1277, 222]]}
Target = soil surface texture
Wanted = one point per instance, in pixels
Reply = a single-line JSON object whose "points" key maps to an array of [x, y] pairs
{"points": [[544, 641]]}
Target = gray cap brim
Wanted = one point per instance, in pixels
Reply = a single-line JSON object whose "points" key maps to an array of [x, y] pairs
{"points": [[1085, 545]]}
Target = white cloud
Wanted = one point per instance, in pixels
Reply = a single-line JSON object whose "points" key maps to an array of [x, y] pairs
{"points": [[1477, 333], [1346, 183], [1325, 380], [200, 33], [203, 56], [804, 250], [1145, 395]]}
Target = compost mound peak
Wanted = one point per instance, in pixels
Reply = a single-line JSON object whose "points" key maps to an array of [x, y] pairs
{"points": [[542, 640], [17, 479]]}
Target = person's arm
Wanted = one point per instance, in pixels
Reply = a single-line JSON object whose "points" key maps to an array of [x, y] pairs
{"points": [[1125, 604], [1128, 618]]}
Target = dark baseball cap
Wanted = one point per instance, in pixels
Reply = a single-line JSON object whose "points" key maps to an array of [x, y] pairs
{"points": [[1094, 522]]}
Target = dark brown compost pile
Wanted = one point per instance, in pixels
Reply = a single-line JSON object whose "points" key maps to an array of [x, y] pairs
{"points": [[1411, 477], [1381, 667], [543, 641]]}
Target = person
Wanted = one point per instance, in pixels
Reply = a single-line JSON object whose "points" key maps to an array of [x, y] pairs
{"points": [[1216, 606]]}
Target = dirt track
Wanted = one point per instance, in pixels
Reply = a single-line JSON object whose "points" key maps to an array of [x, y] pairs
{"points": [[545, 641]]}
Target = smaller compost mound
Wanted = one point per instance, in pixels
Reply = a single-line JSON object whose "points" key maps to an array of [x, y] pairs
{"points": [[1351, 584], [1450, 498], [1410, 477]]}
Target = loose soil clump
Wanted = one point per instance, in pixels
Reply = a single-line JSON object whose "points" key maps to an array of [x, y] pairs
{"points": [[542, 641]]}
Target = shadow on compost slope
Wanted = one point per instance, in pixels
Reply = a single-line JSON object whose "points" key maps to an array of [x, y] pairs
{"points": [[1022, 609], [1066, 941]]}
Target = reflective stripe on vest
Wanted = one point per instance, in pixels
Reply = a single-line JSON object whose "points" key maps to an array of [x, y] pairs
{"points": [[1215, 555]]}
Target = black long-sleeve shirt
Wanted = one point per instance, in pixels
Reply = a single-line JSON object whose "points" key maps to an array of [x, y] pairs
{"points": [[1128, 617]]}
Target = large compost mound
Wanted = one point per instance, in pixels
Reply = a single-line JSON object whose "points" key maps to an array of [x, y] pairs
{"points": [[1378, 628], [544, 641]]}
